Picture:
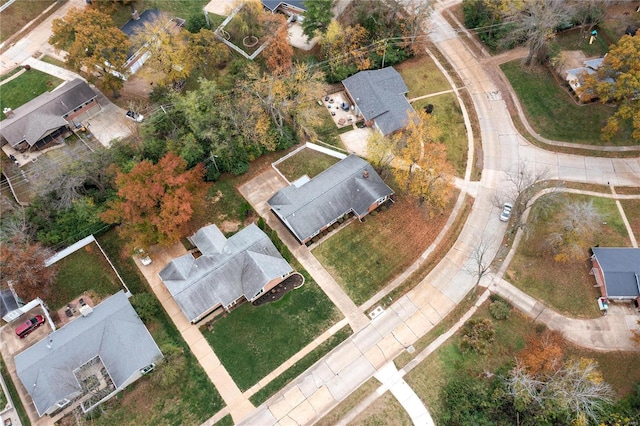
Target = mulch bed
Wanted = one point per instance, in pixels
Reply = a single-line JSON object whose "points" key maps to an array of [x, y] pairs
{"points": [[292, 282]]}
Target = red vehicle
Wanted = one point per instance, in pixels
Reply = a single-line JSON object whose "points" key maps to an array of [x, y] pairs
{"points": [[27, 327]]}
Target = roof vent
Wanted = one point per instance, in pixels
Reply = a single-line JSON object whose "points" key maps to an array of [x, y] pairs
{"points": [[135, 15], [365, 174]]}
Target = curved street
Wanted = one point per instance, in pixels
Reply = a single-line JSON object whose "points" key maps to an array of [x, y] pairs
{"points": [[369, 350], [375, 343]]}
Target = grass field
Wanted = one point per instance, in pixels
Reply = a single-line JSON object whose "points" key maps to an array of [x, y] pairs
{"points": [[632, 211], [572, 40], [83, 270], [20, 14], [364, 256], [552, 112], [385, 411], [22, 89], [565, 287], [422, 76], [306, 162], [253, 341], [449, 120]]}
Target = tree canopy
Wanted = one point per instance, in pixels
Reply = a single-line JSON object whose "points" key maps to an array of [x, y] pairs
{"points": [[317, 17], [156, 201], [420, 165], [95, 47], [618, 81]]}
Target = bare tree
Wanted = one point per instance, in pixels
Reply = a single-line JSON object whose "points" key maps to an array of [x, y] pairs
{"points": [[572, 232], [522, 191], [480, 258], [575, 390], [535, 22]]}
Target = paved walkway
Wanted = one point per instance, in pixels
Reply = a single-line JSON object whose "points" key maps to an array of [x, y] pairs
{"points": [[392, 380], [237, 404]]}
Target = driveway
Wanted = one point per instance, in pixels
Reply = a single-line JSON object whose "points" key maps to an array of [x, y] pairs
{"points": [[110, 123], [356, 141]]}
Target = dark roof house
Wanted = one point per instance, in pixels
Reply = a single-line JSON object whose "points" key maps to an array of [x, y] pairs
{"points": [[47, 116], [379, 95], [350, 185], [228, 271], [98, 354], [137, 23], [617, 272]]}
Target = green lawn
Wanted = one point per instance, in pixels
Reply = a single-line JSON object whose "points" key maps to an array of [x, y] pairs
{"points": [[83, 270], [447, 362], [326, 129], [53, 61], [301, 366], [190, 399], [571, 40], [364, 256], [422, 76], [253, 341], [566, 287], [306, 162], [29, 85], [632, 211], [20, 14], [552, 112], [450, 122]]}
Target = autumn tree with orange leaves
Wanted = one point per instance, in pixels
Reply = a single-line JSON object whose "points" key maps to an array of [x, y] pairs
{"points": [[22, 264], [278, 52], [156, 201]]}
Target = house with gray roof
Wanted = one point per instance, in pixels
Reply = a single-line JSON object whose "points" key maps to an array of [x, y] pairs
{"points": [[617, 272], [227, 272], [380, 96], [349, 186], [90, 359], [46, 118]]}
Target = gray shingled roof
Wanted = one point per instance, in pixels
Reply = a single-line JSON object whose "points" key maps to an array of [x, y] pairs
{"points": [[8, 302], [273, 4], [334, 192], [380, 96], [113, 331], [38, 117], [132, 26], [228, 269], [621, 268]]}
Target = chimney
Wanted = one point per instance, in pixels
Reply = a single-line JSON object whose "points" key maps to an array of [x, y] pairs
{"points": [[365, 173], [8, 112], [135, 15]]}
